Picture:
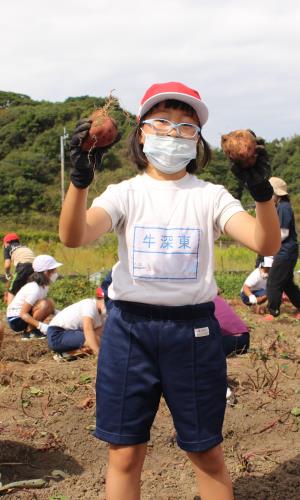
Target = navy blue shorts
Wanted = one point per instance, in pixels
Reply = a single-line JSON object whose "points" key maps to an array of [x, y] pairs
{"points": [[17, 324], [61, 340], [149, 351]]}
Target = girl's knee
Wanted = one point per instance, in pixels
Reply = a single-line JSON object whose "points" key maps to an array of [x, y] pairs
{"points": [[44, 306], [127, 458], [210, 461]]}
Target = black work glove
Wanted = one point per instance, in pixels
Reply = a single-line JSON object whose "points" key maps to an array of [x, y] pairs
{"points": [[84, 163], [256, 177]]}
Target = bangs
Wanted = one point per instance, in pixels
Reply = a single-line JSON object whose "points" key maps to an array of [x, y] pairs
{"points": [[174, 104]]}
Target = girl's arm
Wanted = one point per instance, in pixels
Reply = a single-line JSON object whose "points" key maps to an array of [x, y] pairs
{"points": [[91, 337], [25, 316], [261, 233], [7, 265], [77, 225]]}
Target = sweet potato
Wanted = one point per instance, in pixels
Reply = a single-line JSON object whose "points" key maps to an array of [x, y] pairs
{"points": [[240, 147], [104, 129]]}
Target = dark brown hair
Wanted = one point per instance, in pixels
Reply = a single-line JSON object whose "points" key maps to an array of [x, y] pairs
{"points": [[40, 278], [136, 149]]}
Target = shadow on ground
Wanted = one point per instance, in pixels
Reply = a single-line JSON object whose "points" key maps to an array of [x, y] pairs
{"points": [[20, 461], [282, 483]]}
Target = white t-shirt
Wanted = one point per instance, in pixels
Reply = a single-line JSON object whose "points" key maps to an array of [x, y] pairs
{"points": [[30, 293], [166, 232], [71, 318], [255, 281]]}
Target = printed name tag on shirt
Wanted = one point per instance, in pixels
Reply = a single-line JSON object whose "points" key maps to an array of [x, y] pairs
{"points": [[165, 253], [201, 332]]}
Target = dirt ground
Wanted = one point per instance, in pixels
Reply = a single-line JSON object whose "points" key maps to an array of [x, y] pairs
{"points": [[47, 417]]}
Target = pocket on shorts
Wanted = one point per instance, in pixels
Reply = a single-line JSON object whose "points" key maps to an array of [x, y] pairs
{"points": [[208, 345]]}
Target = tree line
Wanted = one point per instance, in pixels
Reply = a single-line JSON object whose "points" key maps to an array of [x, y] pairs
{"points": [[30, 155]]}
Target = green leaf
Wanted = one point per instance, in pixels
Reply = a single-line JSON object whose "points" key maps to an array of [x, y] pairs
{"points": [[295, 411], [85, 379], [35, 391], [91, 427]]}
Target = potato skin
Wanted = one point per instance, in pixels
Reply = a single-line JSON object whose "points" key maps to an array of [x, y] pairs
{"points": [[240, 147], [103, 131]]}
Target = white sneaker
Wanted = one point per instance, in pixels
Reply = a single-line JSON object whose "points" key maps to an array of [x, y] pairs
{"points": [[228, 393]]}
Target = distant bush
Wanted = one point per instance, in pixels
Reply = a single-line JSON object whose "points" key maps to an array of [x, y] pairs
{"points": [[230, 283], [68, 290]]}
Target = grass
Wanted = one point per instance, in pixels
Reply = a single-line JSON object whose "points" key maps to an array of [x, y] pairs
{"points": [[232, 264]]}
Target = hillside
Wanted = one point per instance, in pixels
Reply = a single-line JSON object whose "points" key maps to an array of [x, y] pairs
{"points": [[30, 183]]}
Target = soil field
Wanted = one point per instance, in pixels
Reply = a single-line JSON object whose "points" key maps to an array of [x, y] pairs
{"points": [[47, 417]]}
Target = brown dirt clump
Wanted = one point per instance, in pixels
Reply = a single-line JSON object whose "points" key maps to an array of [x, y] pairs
{"points": [[48, 416]]}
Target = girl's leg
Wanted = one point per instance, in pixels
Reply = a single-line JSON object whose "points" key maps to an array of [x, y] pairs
{"points": [[211, 473], [275, 284], [290, 288], [42, 309], [124, 471], [236, 344]]}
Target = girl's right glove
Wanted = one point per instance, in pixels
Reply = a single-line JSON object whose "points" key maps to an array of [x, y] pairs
{"points": [[83, 162], [43, 327], [256, 177]]}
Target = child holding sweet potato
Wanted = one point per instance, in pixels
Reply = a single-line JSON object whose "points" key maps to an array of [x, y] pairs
{"points": [[161, 335]]}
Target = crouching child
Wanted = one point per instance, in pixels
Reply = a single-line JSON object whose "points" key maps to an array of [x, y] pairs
{"points": [[78, 325]]}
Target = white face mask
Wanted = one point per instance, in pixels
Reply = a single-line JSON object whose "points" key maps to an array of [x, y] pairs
{"points": [[53, 277], [169, 154]]}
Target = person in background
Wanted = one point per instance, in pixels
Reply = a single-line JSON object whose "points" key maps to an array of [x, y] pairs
{"points": [[78, 325], [281, 276], [235, 333], [21, 257], [104, 287], [30, 307], [161, 335], [254, 289]]}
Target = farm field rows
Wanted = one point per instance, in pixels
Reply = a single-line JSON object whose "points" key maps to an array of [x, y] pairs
{"points": [[48, 416]]}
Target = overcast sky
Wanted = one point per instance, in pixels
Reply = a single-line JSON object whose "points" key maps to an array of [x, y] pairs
{"points": [[243, 57]]}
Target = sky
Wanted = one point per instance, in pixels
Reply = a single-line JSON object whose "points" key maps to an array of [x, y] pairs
{"points": [[242, 57]]}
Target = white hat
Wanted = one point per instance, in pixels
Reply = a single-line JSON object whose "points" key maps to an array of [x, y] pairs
{"points": [[279, 186], [45, 263], [267, 262]]}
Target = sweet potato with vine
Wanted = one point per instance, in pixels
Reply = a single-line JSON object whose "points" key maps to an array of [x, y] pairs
{"points": [[240, 147], [104, 129]]}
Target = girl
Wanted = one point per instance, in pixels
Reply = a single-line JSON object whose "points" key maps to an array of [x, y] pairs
{"points": [[254, 289], [281, 275], [78, 325], [235, 333], [161, 335], [30, 307]]}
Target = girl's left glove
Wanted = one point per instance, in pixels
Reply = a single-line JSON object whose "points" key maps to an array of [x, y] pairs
{"points": [[256, 177]]}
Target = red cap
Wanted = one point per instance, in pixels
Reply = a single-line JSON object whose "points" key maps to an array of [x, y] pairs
{"points": [[173, 90], [10, 237], [99, 293]]}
